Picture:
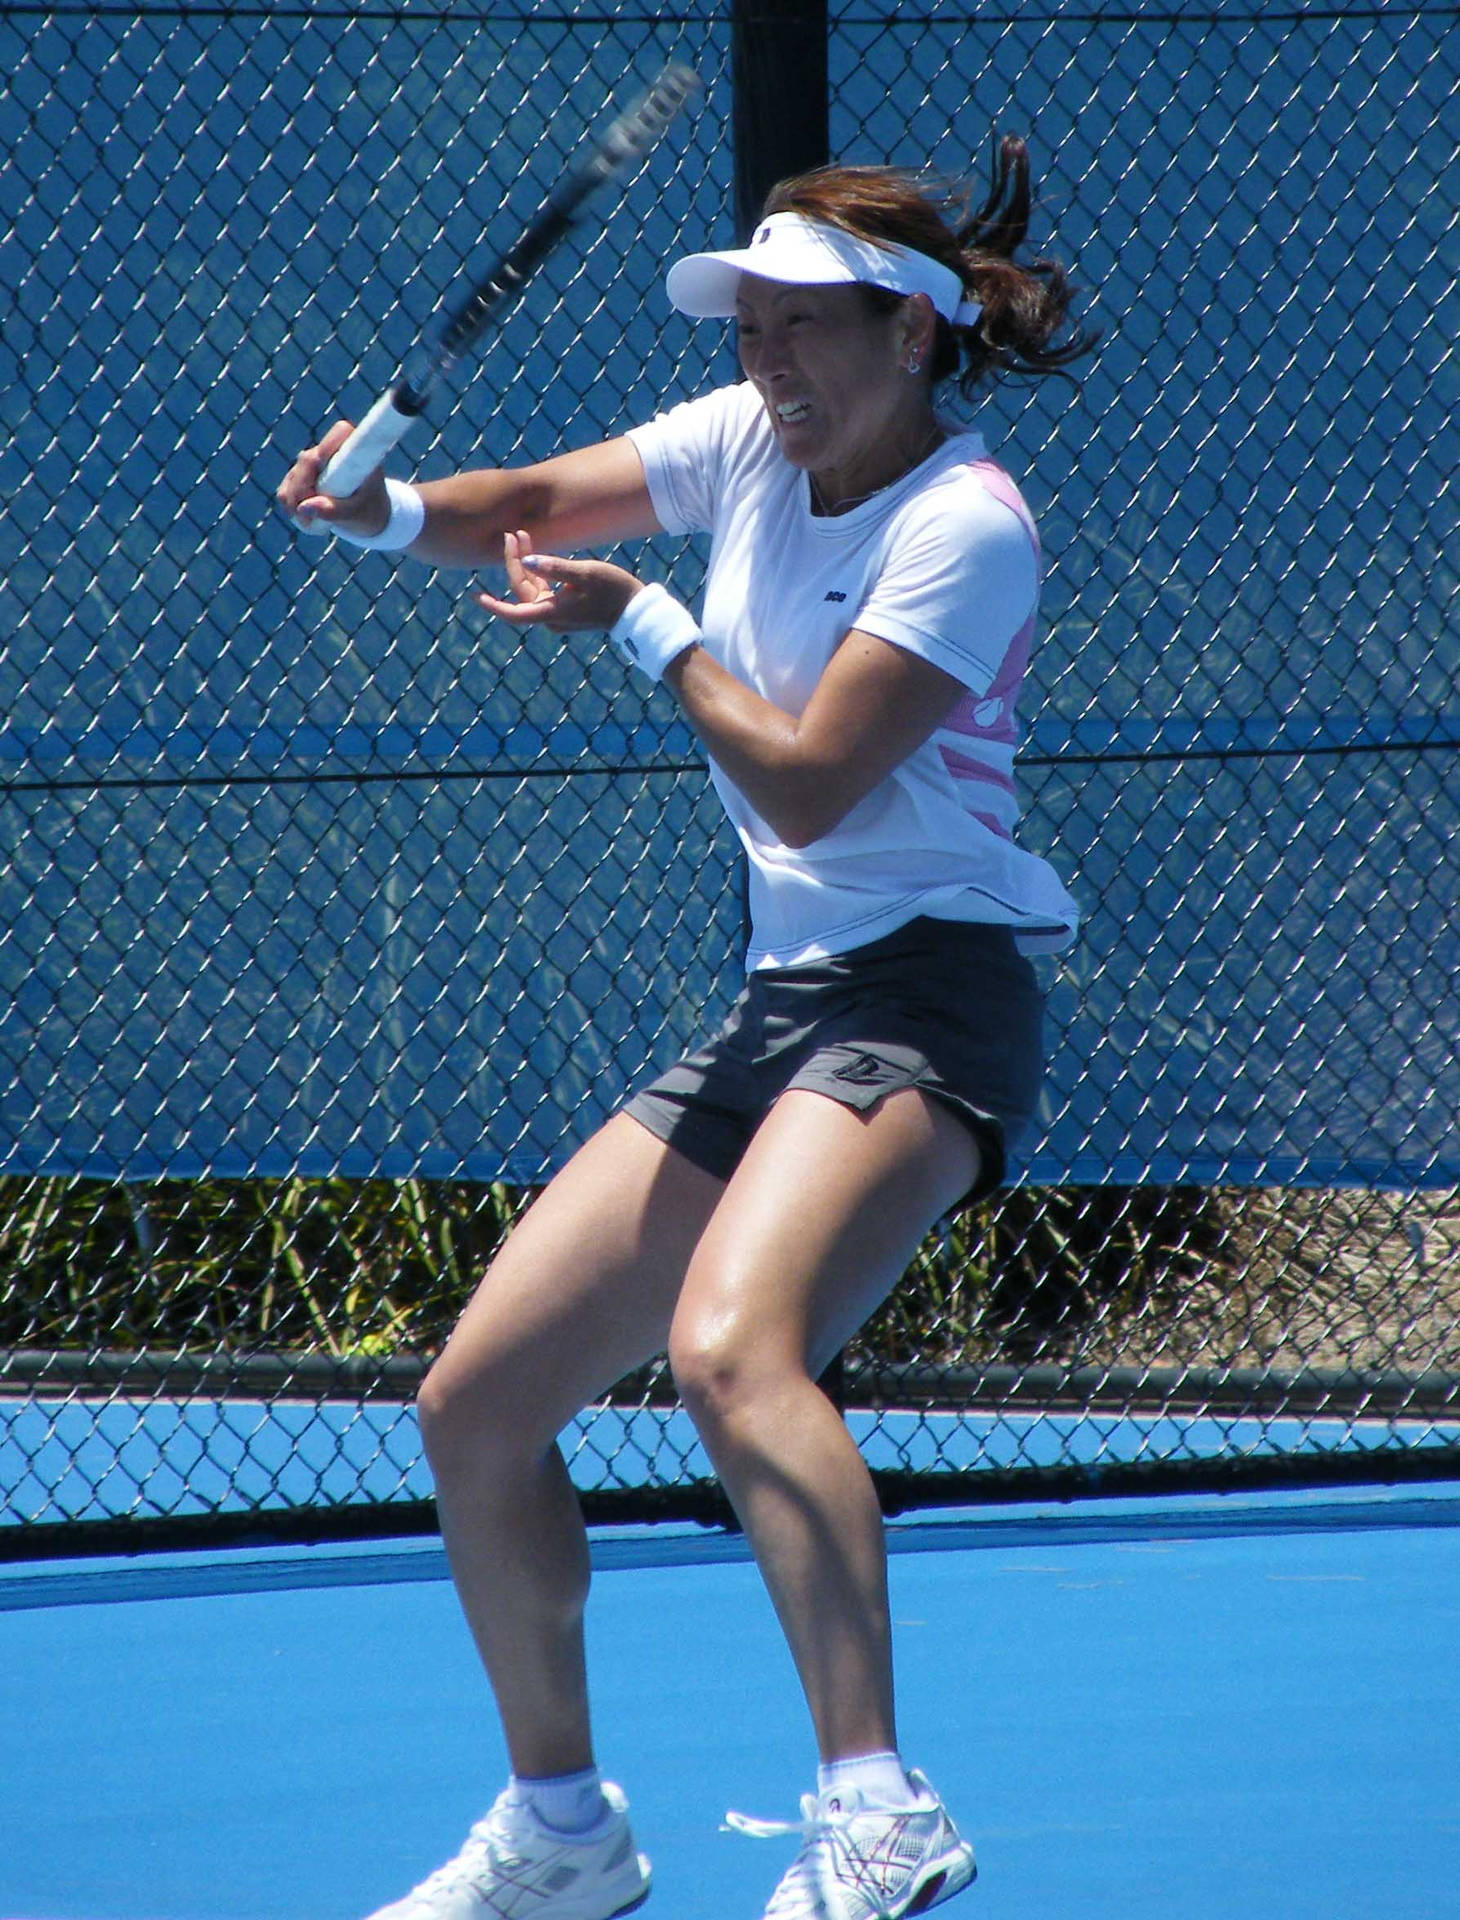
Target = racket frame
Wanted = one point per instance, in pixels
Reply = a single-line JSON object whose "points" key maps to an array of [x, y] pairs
{"points": [[626, 142]]}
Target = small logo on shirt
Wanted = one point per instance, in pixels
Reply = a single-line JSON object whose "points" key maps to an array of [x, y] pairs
{"points": [[834, 595]]}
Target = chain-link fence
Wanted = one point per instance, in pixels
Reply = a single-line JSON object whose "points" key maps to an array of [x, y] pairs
{"points": [[328, 920]]}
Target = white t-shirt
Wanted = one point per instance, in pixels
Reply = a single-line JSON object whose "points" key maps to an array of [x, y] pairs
{"points": [[944, 563]]}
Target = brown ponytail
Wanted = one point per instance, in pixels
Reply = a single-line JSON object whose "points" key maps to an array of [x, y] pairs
{"points": [[1026, 304]]}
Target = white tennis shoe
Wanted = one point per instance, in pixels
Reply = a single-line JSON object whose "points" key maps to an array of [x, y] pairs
{"points": [[513, 1868], [859, 1861]]}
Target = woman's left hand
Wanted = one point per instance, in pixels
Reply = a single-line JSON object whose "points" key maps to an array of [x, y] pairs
{"points": [[567, 596]]}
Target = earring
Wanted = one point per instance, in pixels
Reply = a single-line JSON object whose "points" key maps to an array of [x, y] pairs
{"points": [[912, 364]]}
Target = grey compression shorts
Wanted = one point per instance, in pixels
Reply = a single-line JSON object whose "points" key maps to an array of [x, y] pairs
{"points": [[944, 1005]]}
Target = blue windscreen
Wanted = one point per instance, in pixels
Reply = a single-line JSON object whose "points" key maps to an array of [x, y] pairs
{"points": [[310, 868]]}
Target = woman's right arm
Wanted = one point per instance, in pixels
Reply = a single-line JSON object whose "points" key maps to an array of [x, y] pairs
{"points": [[594, 497]]}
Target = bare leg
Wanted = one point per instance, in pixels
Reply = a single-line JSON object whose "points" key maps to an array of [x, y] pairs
{"points": [[816, 1227], [582, 1292]]}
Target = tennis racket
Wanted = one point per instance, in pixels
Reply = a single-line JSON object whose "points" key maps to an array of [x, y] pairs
{"points": [[467, 316]]}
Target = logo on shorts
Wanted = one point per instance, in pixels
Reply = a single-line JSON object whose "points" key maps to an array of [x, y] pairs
{"points": [[866, 1070]]}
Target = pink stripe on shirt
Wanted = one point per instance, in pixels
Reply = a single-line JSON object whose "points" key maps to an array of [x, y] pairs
{"points": [[990, 717], [962, 768]]}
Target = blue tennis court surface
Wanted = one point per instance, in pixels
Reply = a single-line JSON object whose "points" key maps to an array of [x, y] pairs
{"points": [[1210, 1708]]}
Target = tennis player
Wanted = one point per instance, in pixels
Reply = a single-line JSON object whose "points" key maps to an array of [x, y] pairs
{"points": [[853, 675]]}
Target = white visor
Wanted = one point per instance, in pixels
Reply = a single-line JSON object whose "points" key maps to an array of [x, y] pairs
{"points": [[806, 253]]}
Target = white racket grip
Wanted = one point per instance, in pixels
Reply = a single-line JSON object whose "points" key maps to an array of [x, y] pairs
{"points": [[366, 448]]}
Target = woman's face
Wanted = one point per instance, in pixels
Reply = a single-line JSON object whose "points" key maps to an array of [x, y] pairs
{"points": [[833, 377]]}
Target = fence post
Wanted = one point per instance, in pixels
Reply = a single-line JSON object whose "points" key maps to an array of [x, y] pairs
{"points": [[779, 126], [778, 106]]}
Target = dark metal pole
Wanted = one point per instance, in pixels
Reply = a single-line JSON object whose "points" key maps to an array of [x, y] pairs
{"points": [[779, 125], [779, 105]]}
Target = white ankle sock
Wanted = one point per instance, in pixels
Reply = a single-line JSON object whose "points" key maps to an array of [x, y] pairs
{"points": [[566, 1802], [879, 1776]]}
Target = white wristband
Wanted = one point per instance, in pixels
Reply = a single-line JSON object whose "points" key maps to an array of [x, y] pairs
{"points": [[654, 629], [407, 518]]}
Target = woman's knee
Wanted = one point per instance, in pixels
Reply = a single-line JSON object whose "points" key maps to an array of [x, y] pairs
{"points": [[443, 1405], [478, 1407], [454, 1417], [700, 1368], [725, 1372]]}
